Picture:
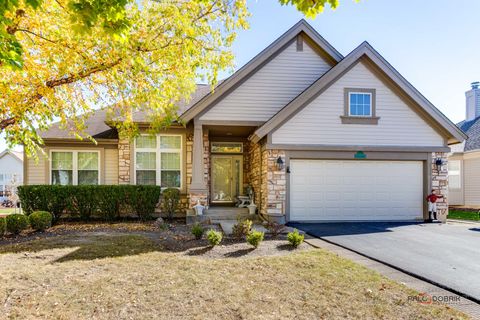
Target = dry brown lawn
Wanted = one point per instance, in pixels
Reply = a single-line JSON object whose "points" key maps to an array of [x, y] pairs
{"points": [[127, 276]]}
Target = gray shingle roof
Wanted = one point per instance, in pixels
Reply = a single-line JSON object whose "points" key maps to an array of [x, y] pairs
{"points": [[472, 129], [98, 129]]}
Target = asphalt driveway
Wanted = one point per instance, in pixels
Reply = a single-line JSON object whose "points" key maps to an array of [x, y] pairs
{"points": [[446, 254]]}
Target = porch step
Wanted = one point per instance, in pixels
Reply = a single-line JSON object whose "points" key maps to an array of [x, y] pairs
{"points": [[226, 213]]}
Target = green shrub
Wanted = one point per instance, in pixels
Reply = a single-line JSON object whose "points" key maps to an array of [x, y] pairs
{"points": [[109, 202], [40, 220], [143, 200], [3, 226], [214, 237], [85, 201], [51, 198], [242, 228], [255, 238], [170, 201], [197, 231], [295, 238], [16, 223]]}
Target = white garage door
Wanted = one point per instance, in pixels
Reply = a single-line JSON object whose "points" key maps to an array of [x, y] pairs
{"points": [[328, 190]]}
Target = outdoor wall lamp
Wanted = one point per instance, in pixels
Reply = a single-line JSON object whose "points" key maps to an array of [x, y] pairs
{"points": [[438, 163], [280, 163]]}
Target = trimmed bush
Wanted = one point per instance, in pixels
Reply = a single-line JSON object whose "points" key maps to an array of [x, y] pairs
{"points": [[255, 238], [16, 223], [197, 231], [295, 238], [214, 237], [108, 202], [40, 220], [242, 228], [85, 201], [51, 198], [143, 200], [170, 201], [274, 228], [3, 226]]}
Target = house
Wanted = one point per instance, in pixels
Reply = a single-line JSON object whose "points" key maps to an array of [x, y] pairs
{"points": [[11, 171], [464, 159], [318, 136]]}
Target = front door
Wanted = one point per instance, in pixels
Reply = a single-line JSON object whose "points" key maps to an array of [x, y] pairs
{"points": [[227, 177]]}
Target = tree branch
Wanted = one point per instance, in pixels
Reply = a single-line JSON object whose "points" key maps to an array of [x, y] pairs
{"points": [[7, 122], [4, 123]]}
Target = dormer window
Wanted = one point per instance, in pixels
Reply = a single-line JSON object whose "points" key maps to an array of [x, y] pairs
{"points": [[359, 106]]}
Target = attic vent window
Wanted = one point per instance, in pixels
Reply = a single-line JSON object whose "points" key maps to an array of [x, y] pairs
{"points": [[299, 43]]}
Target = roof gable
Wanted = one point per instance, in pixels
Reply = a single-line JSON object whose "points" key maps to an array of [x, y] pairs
{"points": [[270, 88], [14, 154], [301, 28], [425, 108]]}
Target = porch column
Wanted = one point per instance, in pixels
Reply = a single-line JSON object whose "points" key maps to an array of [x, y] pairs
{"points": [[198, 188]]}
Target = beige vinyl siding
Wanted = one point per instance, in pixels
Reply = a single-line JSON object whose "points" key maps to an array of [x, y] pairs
{"points": [[36, 171], [472, 181], [456, 196], [111, 166], [271, 87], [320, 123]]}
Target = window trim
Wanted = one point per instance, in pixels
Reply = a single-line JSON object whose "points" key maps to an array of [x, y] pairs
{"points": [[158, 159], [460, 175], [75, 164], [347, 118]]}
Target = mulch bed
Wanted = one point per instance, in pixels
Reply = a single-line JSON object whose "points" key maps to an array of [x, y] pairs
{"points": [[66, 228], [175, 237]]}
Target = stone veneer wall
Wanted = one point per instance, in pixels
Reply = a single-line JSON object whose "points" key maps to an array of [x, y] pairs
{"points": [[124, 159], [274, 185], [253, 170], [440, 183]]}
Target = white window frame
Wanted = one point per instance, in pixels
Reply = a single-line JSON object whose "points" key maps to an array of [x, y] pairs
{"points": [[459, 174], [75, 164], [158, 152], [350, 104]]}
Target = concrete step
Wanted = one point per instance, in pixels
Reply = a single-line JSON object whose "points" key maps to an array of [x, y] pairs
{"points": [[226, 213]]}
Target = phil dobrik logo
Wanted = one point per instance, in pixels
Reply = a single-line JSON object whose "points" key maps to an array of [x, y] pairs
{"points": [[425, 298]]}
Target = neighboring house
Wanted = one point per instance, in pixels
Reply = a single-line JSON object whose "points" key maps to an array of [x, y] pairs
{"points": [[11, 171], [464, 159], [318, 136]]}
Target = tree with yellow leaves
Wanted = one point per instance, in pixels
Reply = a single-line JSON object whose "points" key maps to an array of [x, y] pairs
{"points": [[60, 59]]}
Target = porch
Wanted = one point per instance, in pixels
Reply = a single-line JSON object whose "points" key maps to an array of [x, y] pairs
{"points": [[225, 170]]}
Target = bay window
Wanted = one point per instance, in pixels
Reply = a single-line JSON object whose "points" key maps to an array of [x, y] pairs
{"points": [[158, 160], [75, 167]]}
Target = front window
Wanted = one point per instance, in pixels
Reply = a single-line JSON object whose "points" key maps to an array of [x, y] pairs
{"points": [[75, 167], [158, 160], [454, 177], [360, 104], [62, 168], [87, 167]]}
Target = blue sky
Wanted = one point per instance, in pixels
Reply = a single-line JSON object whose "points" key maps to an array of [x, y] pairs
{"points": [[434, 44]]}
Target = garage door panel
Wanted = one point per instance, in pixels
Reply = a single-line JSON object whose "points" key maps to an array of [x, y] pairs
{"points": [[355, 190]]}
